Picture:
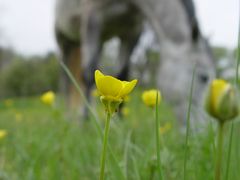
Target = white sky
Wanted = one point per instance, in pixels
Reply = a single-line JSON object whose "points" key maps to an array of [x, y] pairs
{"points": [[27, 25]]}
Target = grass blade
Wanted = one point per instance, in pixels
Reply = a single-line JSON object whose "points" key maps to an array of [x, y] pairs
{"points": [[135, 167], [188, 124], [126, 153], [232, 124]]}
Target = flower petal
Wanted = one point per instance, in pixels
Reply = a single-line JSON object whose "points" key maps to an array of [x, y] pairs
{"points": [[217, 89], [98, 75], [127, 87], [108, 86]]}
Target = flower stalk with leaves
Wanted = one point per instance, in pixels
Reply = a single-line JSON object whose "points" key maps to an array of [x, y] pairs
{"points": [[152, 98], [112, 93]]}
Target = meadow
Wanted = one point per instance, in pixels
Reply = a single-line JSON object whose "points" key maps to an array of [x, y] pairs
{"points": [[44, 142]]}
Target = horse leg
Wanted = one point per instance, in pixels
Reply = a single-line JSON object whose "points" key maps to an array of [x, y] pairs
{"points": [[91, 49], [125, 52], [70, 56], [74, 65], [126, 48], [89, 78]]}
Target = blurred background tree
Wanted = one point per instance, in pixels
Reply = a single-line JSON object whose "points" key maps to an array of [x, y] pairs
{"points": [[27, 76]]}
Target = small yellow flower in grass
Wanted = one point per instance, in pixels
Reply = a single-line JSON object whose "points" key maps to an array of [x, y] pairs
{"points": [[125, 111], [152, 98], [8, 102], [165, 128], [221, 100], [48, 98], [18, 116], [149, 97], [112, 90], [3, 133]]}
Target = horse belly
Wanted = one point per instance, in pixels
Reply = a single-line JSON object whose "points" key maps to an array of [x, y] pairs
{"points": [[67, 17]]}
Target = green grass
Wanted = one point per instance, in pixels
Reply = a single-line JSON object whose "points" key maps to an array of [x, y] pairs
{"points": [[50, 143]]}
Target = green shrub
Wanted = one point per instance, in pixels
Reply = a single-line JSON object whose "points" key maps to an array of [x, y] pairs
{"points": [[29, 77]]}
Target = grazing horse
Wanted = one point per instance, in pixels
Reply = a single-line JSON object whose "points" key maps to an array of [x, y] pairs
{"points": [[82, 26]]}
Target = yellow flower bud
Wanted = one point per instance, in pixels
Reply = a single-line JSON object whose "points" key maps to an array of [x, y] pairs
{"points": [[112, 90], [8, 102], [48, 98], [3, 133], [125, 111], [18, 116], [150, 97], [221, 100], [165, 128]]}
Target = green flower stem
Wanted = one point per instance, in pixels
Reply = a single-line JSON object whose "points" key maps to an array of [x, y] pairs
{"points": [[158, 142], [229, 150], [94, 115], [104, 148], [219, 152]]}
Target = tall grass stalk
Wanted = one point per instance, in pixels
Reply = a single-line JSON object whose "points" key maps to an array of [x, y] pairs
{"points": [[158, 140], [95, 117], [85, 101], [188, 124], [236, 82]]}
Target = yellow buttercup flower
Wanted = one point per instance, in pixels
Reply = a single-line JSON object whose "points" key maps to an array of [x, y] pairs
{"points": [[112, 90], [3, 133], [125, 111], [150, 97], [18, 116], [165, 128], [8, 102], [48, 98], [221, 101]]}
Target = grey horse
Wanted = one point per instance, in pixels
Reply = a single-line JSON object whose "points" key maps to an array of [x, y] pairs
{"points": [[82, 27]]}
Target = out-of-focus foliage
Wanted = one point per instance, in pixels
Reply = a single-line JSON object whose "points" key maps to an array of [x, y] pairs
{"points": [[29, 76], [146, 67], [219, 52], [226, 63]]}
